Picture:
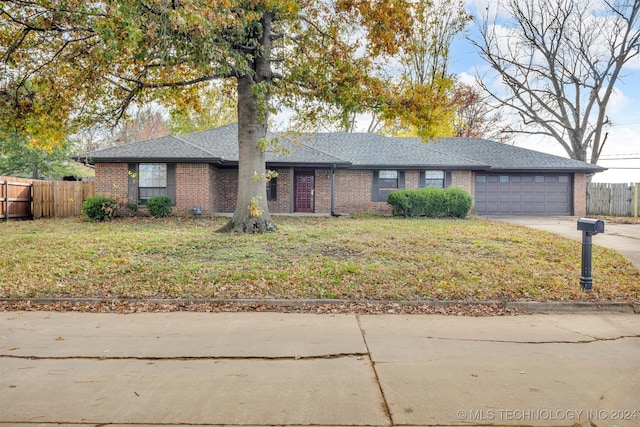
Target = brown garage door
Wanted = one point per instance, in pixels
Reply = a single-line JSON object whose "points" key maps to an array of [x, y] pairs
{"points": [[523, 194]]}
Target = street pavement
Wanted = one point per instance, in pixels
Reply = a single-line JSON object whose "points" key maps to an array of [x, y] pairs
{"points": [[624, 238], [243, 369]]}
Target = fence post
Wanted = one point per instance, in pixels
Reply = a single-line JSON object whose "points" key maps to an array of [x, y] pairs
{"points": [[6, 200], [635, 199]]}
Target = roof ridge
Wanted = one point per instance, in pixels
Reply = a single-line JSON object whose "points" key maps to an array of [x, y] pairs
{"points": [[459, 157], [143, 141], [315, 135], [434, 141], [179, 138], [213, 128]]}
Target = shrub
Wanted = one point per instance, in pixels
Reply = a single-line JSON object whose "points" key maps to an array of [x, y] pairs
{"points": [[400, 202], [458, 202], [99, 208], [159, 206], [431, 202]]}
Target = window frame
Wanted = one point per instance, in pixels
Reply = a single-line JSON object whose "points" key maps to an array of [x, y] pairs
{"points": [[272, 188], [391, 182], [440, 182], [139, 194], [380, 192], [157, 174]]}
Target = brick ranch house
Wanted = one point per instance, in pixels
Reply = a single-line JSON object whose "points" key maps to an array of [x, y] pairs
{"points": [[342, 173]]}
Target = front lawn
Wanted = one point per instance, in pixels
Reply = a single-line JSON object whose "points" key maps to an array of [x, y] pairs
{"points": [[332, 258]]}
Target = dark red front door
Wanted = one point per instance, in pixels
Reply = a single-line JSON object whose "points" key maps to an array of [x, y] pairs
{"points": [[304, 191]]}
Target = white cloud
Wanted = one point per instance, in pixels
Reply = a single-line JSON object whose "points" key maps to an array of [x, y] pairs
{"points": [[466, 78], [633, 64], [478, 7], [617, 102]]}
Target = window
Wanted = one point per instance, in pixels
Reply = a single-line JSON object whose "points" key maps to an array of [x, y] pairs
{"points": [[385, 182], [481, 178], [152, 180], [504, 178], [148, 180], [388, 180], [272, 186], [434, 179], [153, 175], [539, 178]]}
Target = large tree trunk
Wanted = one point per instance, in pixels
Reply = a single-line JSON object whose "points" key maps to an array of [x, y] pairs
{"points": [[252, 213]]}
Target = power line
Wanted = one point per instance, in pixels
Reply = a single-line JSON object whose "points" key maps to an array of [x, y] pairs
{"points": [[623, 124], [620, 154], [622, 167]]}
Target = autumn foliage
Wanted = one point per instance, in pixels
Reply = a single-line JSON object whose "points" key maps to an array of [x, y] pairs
{"points": [[69, 64]]}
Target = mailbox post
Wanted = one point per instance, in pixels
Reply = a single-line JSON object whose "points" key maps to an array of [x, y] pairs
{"points": [[589, 227]]}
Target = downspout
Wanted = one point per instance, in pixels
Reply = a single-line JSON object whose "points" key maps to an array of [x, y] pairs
{"points": [[333, 197]]}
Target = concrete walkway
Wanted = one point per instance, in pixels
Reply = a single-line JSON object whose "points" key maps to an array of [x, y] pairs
{"points": [[624, 238], [246, 369]]}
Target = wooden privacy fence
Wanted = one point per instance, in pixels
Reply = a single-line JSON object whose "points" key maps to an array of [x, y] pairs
{"points": [[27, 198], [15, 198], [613, 199]]}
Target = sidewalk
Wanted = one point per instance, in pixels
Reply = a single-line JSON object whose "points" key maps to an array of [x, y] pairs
{"points": [[327, 370]]}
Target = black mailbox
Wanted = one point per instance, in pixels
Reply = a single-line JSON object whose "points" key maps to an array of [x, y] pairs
{"points": [[590, 225]]}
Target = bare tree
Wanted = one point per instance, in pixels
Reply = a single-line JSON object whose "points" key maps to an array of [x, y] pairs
{"points": [[437, 22], [475, 117], [146, 123], [560, 61]]}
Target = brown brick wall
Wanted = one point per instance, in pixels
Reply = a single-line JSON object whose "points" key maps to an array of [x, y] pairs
{"points": [[467, 181], [353, 192], [112, 180], [226, 188], [193, 187], [579, 194], [322, 191], [464, 180], [214, 192], [412, 179], [282, 204]]}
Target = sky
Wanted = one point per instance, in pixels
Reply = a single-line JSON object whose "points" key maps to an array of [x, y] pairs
{"points": [[621, 153]]}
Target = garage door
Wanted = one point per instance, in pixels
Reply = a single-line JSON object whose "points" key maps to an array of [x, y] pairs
{"points": [[523, 194]]}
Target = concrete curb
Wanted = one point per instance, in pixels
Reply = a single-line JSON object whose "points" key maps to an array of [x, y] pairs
{"points": [[575, 307], [523, 307]]}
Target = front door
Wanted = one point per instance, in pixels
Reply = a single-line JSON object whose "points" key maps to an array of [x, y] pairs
{"points": [[304, 191]]}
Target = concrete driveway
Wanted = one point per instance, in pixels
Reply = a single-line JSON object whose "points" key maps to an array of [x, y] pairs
{"points": [[624, 238]]}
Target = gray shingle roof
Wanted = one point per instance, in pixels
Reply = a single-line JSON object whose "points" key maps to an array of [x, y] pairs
{"points": [[509, 157], [167, 147], [372, 150], [356, 150]]}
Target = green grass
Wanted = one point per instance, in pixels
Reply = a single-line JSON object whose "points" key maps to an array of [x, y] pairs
{"points": [[332, 258]]}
